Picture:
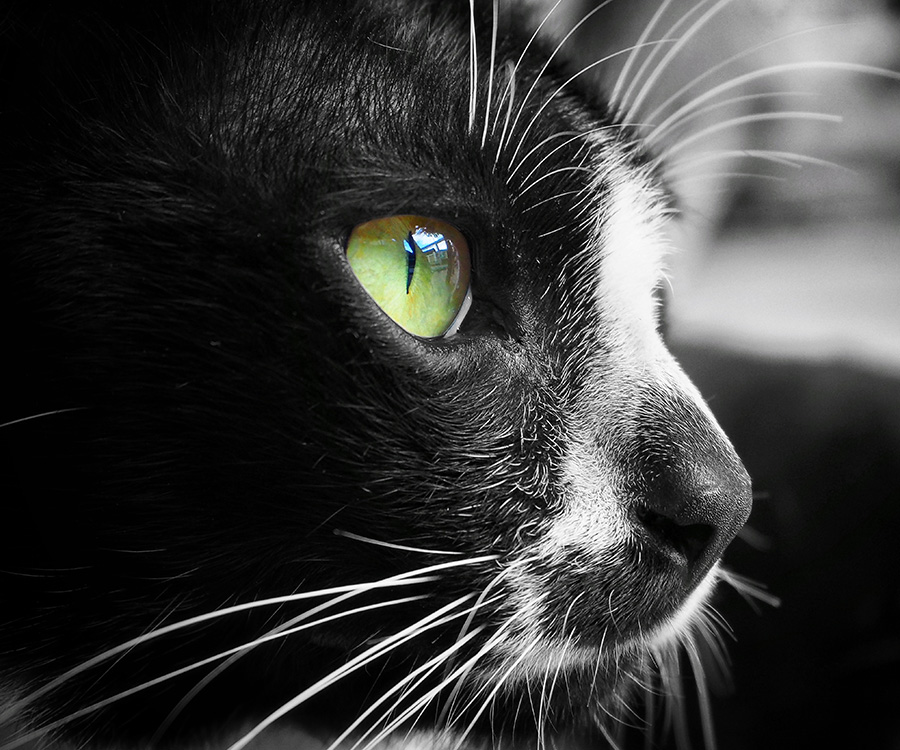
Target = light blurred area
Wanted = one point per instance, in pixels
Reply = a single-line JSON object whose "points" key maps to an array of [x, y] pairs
{"points": [[803, 260], [829, 292], [785, 162]]}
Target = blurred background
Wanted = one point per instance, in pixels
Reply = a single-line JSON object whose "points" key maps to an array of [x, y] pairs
{"points": [[785, 310]]}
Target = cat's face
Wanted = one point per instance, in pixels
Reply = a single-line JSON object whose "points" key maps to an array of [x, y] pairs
{"points": [[530, 491]]}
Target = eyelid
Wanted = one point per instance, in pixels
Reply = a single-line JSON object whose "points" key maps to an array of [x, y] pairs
{"points": [[460, 316]]}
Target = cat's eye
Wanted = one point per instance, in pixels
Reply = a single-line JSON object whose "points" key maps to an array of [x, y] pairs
{"points": [[416, 269]]}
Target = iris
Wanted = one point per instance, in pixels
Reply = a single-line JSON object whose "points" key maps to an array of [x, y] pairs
{"points": [[417, 270]]}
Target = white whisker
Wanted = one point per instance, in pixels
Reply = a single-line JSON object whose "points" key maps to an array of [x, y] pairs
{"points": [[47, 728], [781, 158], [494, 685], [648, 61], [473, 68], [652, 138], [498, 685], [512, 75], [559, 90], [774, 70], [719, 66], [390, 545], [750, 590], [290, 627], [711, 628], [630, 60], [706, 719], [551, 173], [422, 702], [572, 136], [649, 715], [555, 196], [511, 88], [668, 665], [42, 415], [409, 578], [735, 122], [547, 695], [431, 621], [679, 45], [613, 742], [546, 65], [422, 672], [551, 232], [496, 579], [426, 698], [683, 182], [597, 663], [487, 108]]}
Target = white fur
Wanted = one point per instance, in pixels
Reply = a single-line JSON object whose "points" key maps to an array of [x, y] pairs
{"points": [[627, 253]]}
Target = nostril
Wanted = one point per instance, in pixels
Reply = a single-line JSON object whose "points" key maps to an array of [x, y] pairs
{"points": [[686, 490], [690, 540]]}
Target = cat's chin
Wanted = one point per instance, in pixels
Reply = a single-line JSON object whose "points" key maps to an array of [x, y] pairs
{"points": [[532, 656], [546, 683]]}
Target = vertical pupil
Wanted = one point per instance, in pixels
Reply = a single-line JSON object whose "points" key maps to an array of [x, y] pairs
{"points": [[410, 245], [431, 255]]}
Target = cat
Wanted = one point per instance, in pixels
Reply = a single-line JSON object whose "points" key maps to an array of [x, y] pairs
{"points": [[339, 412]]}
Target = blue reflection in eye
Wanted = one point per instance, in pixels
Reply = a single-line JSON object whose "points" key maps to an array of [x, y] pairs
{"points": [[409, 244], [433, 245]]}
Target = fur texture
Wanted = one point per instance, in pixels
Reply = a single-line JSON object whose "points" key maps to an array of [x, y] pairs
{"points": [[511, 529]]}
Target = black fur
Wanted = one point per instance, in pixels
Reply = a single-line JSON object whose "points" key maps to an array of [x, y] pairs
{"points": [[178, 183]]}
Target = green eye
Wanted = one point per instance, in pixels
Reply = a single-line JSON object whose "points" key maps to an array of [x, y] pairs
{"points": [[416, 269]]}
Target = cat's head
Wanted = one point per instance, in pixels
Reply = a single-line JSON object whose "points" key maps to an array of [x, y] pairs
{"points": [[525, 487]]}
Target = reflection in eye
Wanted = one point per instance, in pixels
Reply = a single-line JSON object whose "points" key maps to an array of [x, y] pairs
{"points": [[416, 269], [410, 246]]}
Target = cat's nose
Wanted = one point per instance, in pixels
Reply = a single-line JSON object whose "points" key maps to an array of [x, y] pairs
{"points": [[694, 522], [694, 492]]}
